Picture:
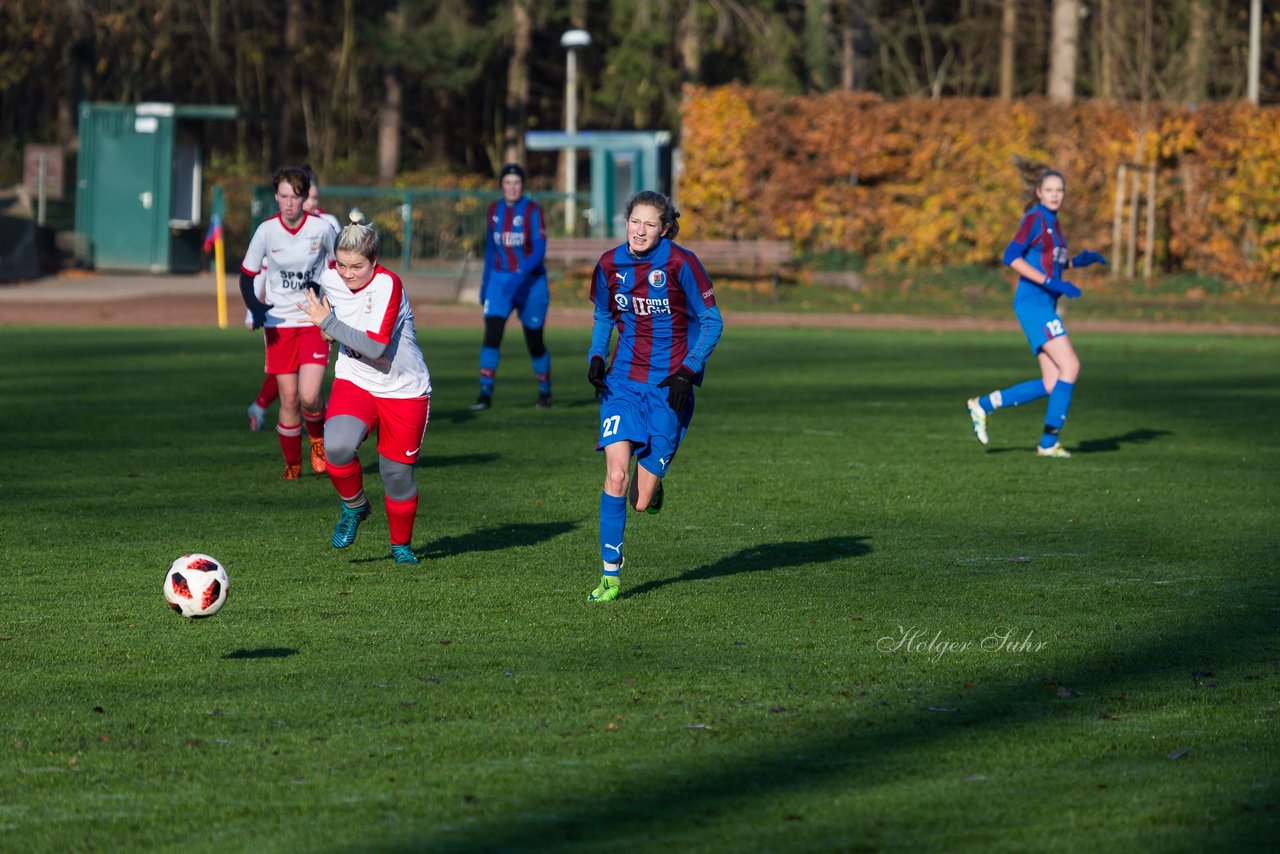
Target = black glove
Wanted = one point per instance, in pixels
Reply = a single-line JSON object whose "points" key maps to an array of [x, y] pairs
{"points": [[259, 311], [595, 376], [678, 386], [315, 288], [257, 308]]}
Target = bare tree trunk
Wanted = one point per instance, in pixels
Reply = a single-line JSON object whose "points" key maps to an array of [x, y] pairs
{"points": [[517, 104], [343, 97], [391, 113], [1198, 53], [287, 88], [443, 111], [390, 118], [77, 55], [689, 40], [1063, 51], [1106, 38], [1008, 43], [817, 52], [855, 46]]}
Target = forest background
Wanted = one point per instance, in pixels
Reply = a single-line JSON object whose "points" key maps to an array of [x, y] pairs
{"points": [[845, 125]]}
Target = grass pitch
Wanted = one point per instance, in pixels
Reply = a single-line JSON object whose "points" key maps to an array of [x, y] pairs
{"points": [[851, 627]]}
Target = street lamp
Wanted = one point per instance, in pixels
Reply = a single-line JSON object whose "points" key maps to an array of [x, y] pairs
{"points": [[571, 41]]}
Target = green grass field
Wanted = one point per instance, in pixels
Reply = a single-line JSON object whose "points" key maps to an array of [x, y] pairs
{"points": [[850, 629]]}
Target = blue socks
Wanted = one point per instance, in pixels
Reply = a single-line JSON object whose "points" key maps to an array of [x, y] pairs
{"points": [[488, 369], [1013, 396], [542, 373], [489, 357], [1056, 415], [613, 520]]}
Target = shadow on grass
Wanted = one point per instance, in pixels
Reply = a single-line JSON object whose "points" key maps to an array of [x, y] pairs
{"points": [[1113, 443], [640, 809], [486, 540], [1098, 446], [263, 652], [427, 461], [496, 539], [437, 462], [763, 559]]}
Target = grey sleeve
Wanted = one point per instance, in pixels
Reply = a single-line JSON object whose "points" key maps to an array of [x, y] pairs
{"points": [[349, 337]]}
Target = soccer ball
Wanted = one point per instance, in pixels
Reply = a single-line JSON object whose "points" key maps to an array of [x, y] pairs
{"points": [[196, 586]]}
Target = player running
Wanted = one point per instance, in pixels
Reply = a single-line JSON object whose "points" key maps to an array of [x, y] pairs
{"points": [[1038, 253], [270, 389], [381, 381], [294, 248], [659, 298], [514, 279]]}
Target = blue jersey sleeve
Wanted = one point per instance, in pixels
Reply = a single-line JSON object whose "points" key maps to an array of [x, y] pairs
{"points": [[701, 299], [602, 317], [537, 241], [489, 249]]}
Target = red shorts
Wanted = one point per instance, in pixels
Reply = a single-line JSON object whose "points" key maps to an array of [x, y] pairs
{"points": [[288, 347], [400, 422]]}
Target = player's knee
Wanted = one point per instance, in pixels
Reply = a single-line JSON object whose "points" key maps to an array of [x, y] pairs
{"points": [[338, 451], [615, 481], [342, 437], [397, 479], [1071, 370]]}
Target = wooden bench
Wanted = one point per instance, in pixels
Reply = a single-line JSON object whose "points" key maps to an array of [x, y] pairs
{"points": [[761, 260]]}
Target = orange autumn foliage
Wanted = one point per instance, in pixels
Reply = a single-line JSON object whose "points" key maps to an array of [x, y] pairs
{"points": [[918, 182]]}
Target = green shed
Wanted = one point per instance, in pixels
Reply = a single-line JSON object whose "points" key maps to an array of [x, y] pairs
{"points": [[139, 175]]}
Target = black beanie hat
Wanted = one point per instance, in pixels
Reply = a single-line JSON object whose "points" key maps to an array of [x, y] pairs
{"points": [[511, 169]]}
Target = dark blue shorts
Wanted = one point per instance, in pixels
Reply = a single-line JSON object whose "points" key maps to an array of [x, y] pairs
{"points": [[529, 295], [639, 413], [1040, 323]]}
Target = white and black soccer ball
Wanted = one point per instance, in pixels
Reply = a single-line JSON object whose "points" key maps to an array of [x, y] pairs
{"points": [[196, 586]]}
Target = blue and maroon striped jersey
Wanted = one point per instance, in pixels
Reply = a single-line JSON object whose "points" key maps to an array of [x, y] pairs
{"points": [[515, 238], [1040, 241], [663, 307]]}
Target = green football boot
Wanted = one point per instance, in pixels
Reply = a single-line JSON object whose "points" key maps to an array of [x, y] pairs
{"points": [[607, 591], [655, 503]]}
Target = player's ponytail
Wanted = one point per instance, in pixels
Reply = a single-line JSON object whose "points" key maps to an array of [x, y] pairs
{"points": [[358, 237], [1034, 173]]}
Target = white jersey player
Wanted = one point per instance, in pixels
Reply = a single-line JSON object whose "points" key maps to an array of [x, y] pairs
{"points": [[294, 249], [381, 379]]}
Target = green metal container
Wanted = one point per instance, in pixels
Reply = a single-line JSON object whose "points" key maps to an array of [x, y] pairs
{"points": [[139, 175]]}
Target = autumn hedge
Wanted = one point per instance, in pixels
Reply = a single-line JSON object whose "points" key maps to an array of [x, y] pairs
{"points": [[926, 182]]}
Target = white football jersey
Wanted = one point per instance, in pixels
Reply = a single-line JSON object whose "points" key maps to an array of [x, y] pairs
{"points": [[290, 258], [381, 308]]}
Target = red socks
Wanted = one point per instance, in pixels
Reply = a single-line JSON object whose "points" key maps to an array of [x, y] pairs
{"points": [[400, 515]]}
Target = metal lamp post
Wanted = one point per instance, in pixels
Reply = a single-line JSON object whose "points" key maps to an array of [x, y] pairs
{"points": [[571, 41]]}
